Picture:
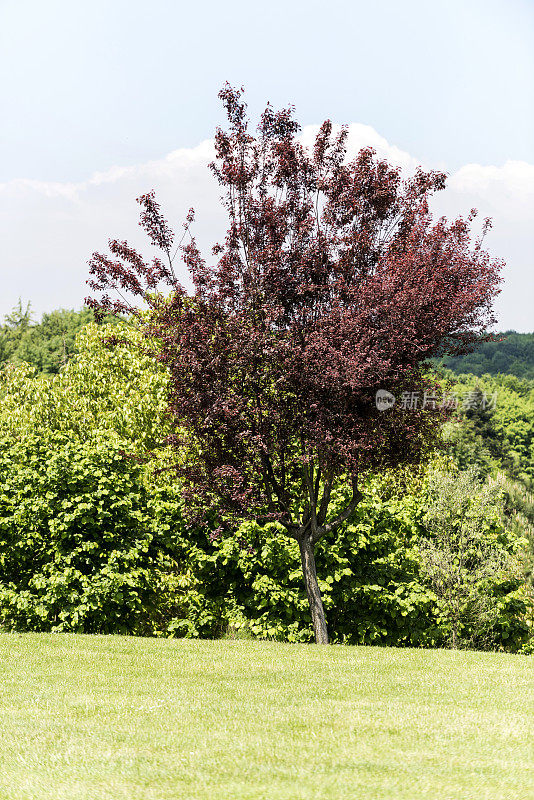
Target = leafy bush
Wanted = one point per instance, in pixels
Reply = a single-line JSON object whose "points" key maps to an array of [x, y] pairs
{"points": [[376, 589], [88, 544], [77, 551], [120, 390], [471, 561]]}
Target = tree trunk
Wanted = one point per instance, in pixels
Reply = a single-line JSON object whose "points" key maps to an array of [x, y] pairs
{"points": [[455, 630], [312, 590]]}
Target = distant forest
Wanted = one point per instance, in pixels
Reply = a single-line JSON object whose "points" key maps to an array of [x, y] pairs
{"points": [[49, 343], [512, 355]]}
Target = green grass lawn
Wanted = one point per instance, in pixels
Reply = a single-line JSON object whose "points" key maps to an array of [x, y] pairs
{"points": [[117, 717]]}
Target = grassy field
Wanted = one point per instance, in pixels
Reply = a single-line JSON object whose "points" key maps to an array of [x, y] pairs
{"points": [[116, 717]]}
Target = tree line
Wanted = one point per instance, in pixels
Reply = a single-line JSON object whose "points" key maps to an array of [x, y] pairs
{"points": [[95, 535], [510, 353], [47, 345]]}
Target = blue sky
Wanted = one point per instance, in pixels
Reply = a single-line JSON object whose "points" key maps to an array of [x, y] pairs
{"points": [[100, 86]]}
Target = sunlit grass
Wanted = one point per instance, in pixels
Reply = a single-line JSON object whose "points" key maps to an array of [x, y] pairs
{"points": [[117, 717]]}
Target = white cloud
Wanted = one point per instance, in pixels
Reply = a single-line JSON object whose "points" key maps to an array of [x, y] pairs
{"points": [[506, 194], [49, 230], [514, 180]]}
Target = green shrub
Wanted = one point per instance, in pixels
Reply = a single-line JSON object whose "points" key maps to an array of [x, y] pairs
{"points": [[375, 589], [77, 550], [472, 561]]}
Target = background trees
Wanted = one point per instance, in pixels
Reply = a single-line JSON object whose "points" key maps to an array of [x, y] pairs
{"points": [[500, 436], [511, 353], [94, 538], [47, 345]]}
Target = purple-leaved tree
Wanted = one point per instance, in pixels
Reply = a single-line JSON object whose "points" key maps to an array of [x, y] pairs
{"points": [[333, 282]]}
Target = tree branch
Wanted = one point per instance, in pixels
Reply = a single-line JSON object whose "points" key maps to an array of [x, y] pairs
{"points": [[345, 514]]}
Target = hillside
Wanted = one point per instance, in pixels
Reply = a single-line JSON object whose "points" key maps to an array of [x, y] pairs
{"points": [[511, 354]]}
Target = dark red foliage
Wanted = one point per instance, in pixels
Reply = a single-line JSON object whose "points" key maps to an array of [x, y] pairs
{"points": [[334, 281]]}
